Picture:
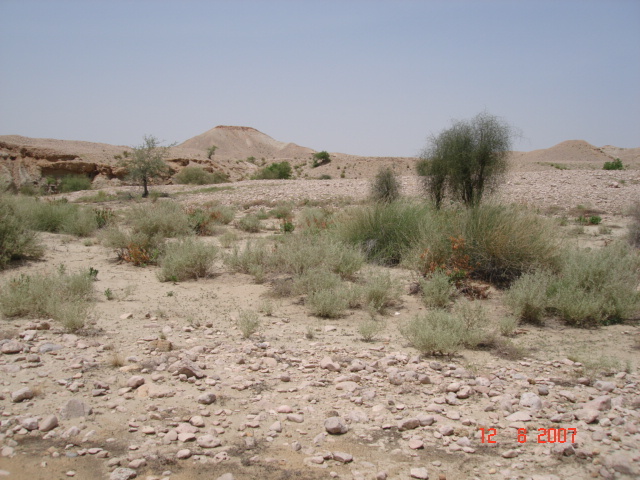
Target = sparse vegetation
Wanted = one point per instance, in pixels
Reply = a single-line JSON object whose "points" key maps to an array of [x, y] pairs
{"points": [[370, 329], [634, 227], [16, 241], [199, 176], [249, 223], [147, 162], [613, 165], [74, 183], [248, 322], [61, 296], [186, 259], [321, 158], [436, 332], [437, 290], [275, 171], [385, 186], [527, 297]]}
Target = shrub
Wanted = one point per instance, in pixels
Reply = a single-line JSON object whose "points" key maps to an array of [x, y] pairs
{"points": [[211, 151], [528, 297], [249, 223], [466, 159], [507, 325], [505, 242], [186, 259], [321, 158], [228, 238], [61, 296], [133, 247], [274, 171], [437, 290], [370, 329], [315, 280], [199, 176], [327, 303], [283, 211], [384, 231], [380, 291], [203, 220], [16, 241], [385, 187], [245, 260], [164, 219], [314, 220], [57, 216], [74, 183], [436, 332], [634, 227], [248, 322], [613, 165], [597, 287]]}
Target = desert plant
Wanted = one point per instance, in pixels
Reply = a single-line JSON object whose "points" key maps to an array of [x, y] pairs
{"points": [[327, 303], [385, 186], [437, 290], [185, 259], [380, 291], [228, 238], [16, 240], [253, 254], [313, 219], [147, 162], [248, 322], [466, 159], [211, 151], [249, 223], [74, 183], [137, 248], [507, 325], [321, 158], [384, 231], [315, 280], [596, 287], [528, 298], [274, 171], [61, 296], [633, 235], [165, 219], [613, 165], [370, 329], [203, 220], [199, 176], [436, 332]]}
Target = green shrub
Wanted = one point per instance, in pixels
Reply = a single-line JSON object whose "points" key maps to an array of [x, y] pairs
{"points": [[185, 259], [274, 171], [245, 260], [313, 219], [528, 298], [370, 329], [327, 303], [436, 332], [249, 223], [283, 211], [596, 287], [203, 220], [133, 247], [321, 158], [384, 231], [437, 290], [504, 242], [16, 241], [380, 291], [248, 322], [199, 176], [74, 183], [315, 280], [589, 220], [61, 296], [165, 219], [613, 165], [56, 216], [385, 186]]}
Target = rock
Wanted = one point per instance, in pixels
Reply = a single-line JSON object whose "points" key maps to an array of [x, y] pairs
{"points": [[23, 394], [284, 409], [197, 421], [519, 417], [416, 444], [605, 386], [48, 423], [126, 316], [510, 453], [347, 386], [408, 424], [335, 426], [11, 347], [207, 398], [49, 347], [622, 462], [587, 415], [75, 409], [276, 427], [295, 417], [420, 473], [186, 367], [328, 364], [183, 454], [531, 400], [601, 404], [208, 441], [135, 381], [226, 476], [342, 457], [122, 473]]}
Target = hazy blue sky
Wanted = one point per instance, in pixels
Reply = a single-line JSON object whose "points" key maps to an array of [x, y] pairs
{"points": [[362, 77]]}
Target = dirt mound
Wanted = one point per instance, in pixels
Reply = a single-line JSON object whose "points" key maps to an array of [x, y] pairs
{"points": [[243, 142]]}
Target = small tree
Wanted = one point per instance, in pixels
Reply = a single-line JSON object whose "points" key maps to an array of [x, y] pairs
{"points": [[466, 159], [385, 187], [147, 162], [211, 151], [321, 158]]}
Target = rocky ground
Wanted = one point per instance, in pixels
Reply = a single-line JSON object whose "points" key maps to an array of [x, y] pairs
{"points": [[161, 385]]}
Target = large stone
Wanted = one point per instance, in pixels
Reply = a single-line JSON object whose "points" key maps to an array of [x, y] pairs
{"points": [[531, 400], [135, 381], [74, 409], [208, 441], [122, 473], [11, 347], [335, 426], [622, 462], [48, 423], [601, 404], [186, 367], [328, 364], [207, 398], [420, 473], [23, 394], [408, 424]]}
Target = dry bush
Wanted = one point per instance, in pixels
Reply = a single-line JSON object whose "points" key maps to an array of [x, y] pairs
{"points": [[248, 323], [186, 259], [634, 226], [380, 291], [16, 241], [528, 297], [249, 223], [437, 290]]}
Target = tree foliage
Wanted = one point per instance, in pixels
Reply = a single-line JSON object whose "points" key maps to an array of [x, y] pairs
{"points": [[147, 162], [321, 158], [466, 159]]}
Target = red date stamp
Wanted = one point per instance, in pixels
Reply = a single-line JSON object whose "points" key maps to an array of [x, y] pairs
{"points": [[542, 435]]}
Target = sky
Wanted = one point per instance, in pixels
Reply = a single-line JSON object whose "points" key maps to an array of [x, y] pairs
{"points": [[374, 77]]}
